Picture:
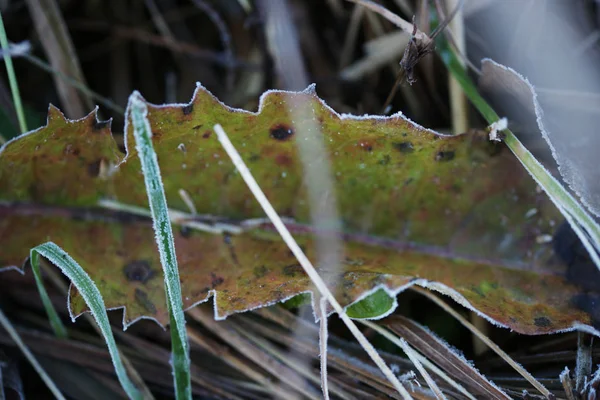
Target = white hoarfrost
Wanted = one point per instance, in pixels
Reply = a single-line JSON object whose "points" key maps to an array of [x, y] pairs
{"points": [[496, 128]]}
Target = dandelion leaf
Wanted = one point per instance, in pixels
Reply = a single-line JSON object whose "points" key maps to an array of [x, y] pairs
{"points": [[457, 214]]}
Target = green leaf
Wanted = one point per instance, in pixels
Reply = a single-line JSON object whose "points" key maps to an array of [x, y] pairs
{"points": [[297, 301], [375, 305], [458, 214]]}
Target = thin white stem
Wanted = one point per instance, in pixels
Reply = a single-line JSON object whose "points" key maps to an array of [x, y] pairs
{"points": [[303, 260], [185, 196], [175, 216], [323, 333], [432, 367], [412, 354], [393, 18]]}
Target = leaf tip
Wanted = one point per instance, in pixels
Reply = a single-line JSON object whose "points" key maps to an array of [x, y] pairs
{"points": [[97, 124], [136, 100], [54, 114], [311, 89]]}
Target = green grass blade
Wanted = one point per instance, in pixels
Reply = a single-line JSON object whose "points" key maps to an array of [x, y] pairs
{"points": [[580, 220], [12, 78], [180, 360], [5, 323], [57, 325], [166, 246], [90, 293]]}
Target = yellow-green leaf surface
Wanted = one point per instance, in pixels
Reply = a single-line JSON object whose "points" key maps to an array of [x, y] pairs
{"points": [[458, 214]]}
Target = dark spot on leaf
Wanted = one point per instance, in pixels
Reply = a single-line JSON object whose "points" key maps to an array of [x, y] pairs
{"points": [[138, 271], [542, 322], [261, 271], [215, 280], [198, 126], [281, 132], [444, 155], [185, 231], [404, 147], [142, 298], [187, 110], [292, 270], [93, 168], [283, 159], [408, 181], [254, 157], [206, 134], [98, 125], [156, 135]]}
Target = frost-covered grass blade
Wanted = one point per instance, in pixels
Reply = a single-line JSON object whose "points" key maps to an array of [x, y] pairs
{"points": [[90, 293], [138, 112], [57, 326]]}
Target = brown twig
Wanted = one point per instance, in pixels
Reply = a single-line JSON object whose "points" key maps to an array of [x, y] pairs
{"points": [[418, 46], [59, 48]]}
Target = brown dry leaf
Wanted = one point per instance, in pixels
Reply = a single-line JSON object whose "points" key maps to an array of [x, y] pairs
{"points": [[454, 213]]}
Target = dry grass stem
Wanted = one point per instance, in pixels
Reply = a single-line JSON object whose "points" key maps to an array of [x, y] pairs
{"points": [[412, 355], [53, 34], [517, 367], [12, 332]]}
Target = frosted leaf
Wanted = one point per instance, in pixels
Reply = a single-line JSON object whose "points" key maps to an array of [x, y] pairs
{"points": [[546, 47]]}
